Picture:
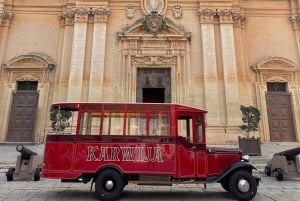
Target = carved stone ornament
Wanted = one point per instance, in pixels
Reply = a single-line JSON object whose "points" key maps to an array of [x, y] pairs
{"points": [[5, 17], [81, 14], [149, 6], [154, 23], [100, 14], [130, 9], [67, 18], [154, 60], [177, 11]]}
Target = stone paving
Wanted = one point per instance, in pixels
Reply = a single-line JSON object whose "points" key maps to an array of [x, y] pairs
{"points": [[49, 190]]}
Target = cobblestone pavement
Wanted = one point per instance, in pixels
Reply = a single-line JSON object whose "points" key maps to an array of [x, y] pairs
{"points": [[49, 190], [54, 190]]}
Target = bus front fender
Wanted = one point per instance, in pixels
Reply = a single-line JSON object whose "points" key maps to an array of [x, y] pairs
{"points": [[231, 169]]}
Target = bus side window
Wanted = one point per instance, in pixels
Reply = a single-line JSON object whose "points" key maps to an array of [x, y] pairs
{"points": [[199, 128], [185, 128]]}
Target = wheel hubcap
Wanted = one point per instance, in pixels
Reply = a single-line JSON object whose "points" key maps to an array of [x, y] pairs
{"points": [[243, 185], [109, 185]]}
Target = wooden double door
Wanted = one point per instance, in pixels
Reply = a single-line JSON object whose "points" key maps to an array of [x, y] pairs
{"points": [[21, 125], [280, 115]]}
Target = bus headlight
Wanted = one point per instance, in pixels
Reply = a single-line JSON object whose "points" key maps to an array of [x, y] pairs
{"points": [[245, 158]]}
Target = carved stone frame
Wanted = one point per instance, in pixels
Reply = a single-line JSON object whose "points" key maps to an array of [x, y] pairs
{"points": [[142, 50], [276, 69], [29, 67]]}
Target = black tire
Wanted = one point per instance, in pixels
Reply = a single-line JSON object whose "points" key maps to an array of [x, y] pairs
{"points": [[225, 185], [37, 174], [242, 185], [109, 185], [10, 174], [268, 171], [279, 174]]}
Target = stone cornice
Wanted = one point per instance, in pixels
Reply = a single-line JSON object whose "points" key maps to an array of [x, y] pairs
{"points": [[5, 17]]}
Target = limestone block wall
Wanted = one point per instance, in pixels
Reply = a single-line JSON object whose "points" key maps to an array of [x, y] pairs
{"points": [[219, 54]]}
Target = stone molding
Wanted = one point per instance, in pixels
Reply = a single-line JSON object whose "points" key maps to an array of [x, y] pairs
{"points": [[226, 16], [279, 70], [154, 60], [177, 29], [5, 17], [45, 60], [81, 15], [42, 65]]}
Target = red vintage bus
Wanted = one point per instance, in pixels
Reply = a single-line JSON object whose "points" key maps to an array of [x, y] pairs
{"points": [[114, 144]]}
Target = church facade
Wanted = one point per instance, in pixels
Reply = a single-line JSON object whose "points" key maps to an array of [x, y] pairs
{"points": [[216, 55]]}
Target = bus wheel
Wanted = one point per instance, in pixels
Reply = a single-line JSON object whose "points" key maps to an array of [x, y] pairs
{"points": [[109, 185], [242, 185]]}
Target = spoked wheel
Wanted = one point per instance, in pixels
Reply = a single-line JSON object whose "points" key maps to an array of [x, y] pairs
{"points": [[268, 170], [10, 174], [242, 185], [279, 174], [109, 185]]}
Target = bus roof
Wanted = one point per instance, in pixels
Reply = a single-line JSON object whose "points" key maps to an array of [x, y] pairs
{"points": [[75, 106]]}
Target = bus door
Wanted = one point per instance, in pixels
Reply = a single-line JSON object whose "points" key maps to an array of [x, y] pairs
{"points": [[191, 145], [186, 165]]}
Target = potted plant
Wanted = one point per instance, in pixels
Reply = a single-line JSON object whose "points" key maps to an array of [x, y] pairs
{"points": [[60, 119], [251, 117]]}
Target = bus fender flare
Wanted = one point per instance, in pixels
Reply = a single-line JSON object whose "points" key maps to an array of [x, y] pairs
{"points": [[231, 169]]}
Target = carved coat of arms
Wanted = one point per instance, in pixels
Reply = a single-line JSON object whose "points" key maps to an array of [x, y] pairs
{"points": [[154, 23]]}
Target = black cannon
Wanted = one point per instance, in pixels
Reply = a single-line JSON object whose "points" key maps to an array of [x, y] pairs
{"points": [[28, 165], [285, 164]]}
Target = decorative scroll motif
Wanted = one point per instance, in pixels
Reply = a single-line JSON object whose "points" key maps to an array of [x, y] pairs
{"points": [[100, 14], [154, 23], [5, 17], [225, 16], [154, 60], [130, 9], [177, 11], [159, 6]]}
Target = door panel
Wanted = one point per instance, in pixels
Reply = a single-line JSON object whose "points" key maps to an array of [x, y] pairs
{"points": [[22, 116], [280, 116]]}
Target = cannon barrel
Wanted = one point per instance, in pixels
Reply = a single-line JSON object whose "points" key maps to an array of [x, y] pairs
{"points": [[25, 152]]}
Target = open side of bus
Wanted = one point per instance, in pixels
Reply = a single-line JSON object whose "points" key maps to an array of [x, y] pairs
{"points": [[144, 143]]}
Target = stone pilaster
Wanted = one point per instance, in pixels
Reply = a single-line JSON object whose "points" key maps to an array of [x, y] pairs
{"points": [[206, 17], [78, 54], [67, 22], [5, 19], [232, 97], [98, 54]]}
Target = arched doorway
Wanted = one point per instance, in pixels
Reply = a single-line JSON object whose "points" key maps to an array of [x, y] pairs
{"points": [[276, 92], [27, 90]]}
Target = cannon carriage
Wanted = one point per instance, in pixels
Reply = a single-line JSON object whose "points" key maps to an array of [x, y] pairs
{"points": [[28, 165], [285, 165]]}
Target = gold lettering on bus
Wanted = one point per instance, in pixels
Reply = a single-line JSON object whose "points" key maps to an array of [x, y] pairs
{"points": [[128, 154]]}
